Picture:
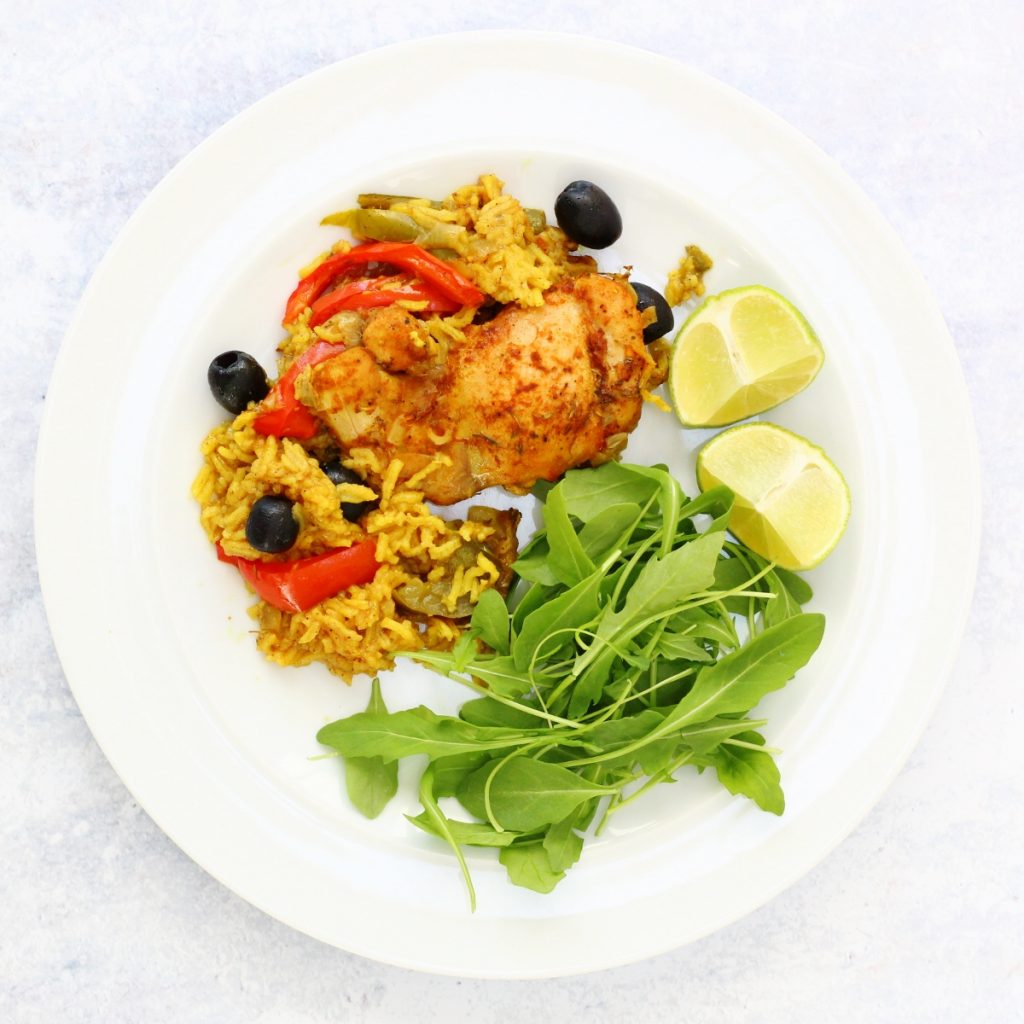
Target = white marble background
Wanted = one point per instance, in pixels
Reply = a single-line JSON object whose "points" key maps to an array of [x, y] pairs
{"points": [[918, 916]]}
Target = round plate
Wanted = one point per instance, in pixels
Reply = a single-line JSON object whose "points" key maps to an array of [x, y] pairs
{"points": [[216, 743]]}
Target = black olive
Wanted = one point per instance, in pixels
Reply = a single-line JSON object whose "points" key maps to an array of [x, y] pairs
{"points": [[271, 527], [339, 474], [646, 297], [587, 215], [486, 313], [236, 379]]}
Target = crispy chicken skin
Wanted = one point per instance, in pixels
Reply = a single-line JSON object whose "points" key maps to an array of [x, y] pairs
{"points": [[527, 396]]}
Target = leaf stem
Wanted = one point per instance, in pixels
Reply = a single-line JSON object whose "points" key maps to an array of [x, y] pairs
{"points": [[440, 822]]}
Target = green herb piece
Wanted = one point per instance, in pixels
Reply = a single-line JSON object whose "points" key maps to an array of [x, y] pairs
{"points": [[488, 712], [499, 673], [465, 833], [529, 602], [533, 563], [566, 557], [799, 589], [679, 647], [617, 732], [588, 492], [451, 770], [529, 866], [443, 829], [734, 574], [701, 624], [741, 679], [747, 772], [491, 620], [716, 502], [782, 606], [661, 585], [608, 530], [563, 843], [416, 731], [557, 619], [523, 794], [371, 782], [636, 641]]}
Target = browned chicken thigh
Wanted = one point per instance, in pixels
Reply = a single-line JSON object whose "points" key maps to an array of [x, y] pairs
{"points": [[527, 396]]}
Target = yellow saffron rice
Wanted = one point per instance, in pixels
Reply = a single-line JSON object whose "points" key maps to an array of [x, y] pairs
{"points": [[511, 259], [687, 279], [359, 629]]}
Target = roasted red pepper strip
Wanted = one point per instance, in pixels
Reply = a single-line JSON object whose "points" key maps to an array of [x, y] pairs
{"points": [[442, 278], [369, 292], [282, 414], [299, 585]]}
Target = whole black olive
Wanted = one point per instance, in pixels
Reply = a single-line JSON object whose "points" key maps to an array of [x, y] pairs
{"points": [[646, 297], [339, 474], [585, 212], [236, 379], [271, 526]]}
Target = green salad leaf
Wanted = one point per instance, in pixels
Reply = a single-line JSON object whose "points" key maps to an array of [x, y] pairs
{"points": [[636, 643], [371, 782]]}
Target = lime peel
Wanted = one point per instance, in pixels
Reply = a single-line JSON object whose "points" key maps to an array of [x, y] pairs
{"points": [[740, 353], [792, 503]]}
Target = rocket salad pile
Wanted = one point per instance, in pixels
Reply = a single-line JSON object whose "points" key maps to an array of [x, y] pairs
{"points": [[638, 639]]}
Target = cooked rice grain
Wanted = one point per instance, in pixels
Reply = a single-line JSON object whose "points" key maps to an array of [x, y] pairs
{"points": [[499, 250], [359, 629]]}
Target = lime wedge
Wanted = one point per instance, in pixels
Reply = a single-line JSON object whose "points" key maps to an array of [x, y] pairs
{"points": [[740, 353], [792, 504]]}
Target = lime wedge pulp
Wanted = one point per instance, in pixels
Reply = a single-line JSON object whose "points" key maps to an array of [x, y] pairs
{"points": [[740, 353], [792, 504]]}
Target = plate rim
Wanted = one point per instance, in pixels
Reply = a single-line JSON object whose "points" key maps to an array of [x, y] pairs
{"points": [[972, 514]]}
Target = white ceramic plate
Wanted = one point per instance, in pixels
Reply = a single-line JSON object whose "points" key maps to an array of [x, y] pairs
{"points": [[152, 632]]}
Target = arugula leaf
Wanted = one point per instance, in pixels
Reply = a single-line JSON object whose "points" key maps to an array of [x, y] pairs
{"points": [[451, 770], [609, 737], [532, 563], [574, 608], [716, 502], [670, 499], [662, 584], [645, 739], [608, 530], [783, 606], [750, 773], [681, 648], [563, 844], [799, 589], [529, 866], [741, 679], [440, 823], [566, 557], [498, 672], [491, 620], [369, 781], [484, 711], [416, 731], [665, 582], [734, 574], [525, 794], [462, 653], [618, 609], [465, 833], [588, 492], [701, 624], [709, 735], [533, 599], [617, 732]]}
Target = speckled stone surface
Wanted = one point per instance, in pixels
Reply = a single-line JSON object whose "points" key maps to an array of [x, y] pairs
{"points": [[918, 916]]}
